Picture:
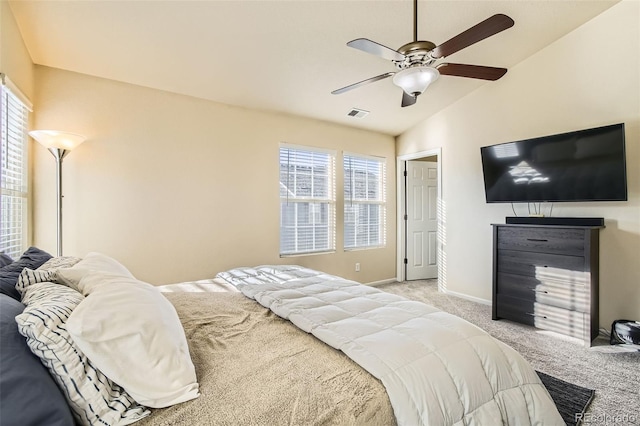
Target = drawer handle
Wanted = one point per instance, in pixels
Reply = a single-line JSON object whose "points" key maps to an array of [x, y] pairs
{"points": [[537, 315], [541, 240], [539, 291]]}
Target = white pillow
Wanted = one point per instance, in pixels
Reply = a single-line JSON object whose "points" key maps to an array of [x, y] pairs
{"points": [[91, 262], [132, 333], [93, 398]]}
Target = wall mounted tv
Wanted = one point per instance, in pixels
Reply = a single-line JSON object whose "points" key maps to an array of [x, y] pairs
{"points": [[586, 165]]}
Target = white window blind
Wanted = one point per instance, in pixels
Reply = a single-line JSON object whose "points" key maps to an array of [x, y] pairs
{"points": [[14, 117], [307, 200], [364, 201]]}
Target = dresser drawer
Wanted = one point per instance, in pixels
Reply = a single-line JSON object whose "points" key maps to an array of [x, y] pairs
{"points": [[515, 309], [549, 266], [563, 321], [544, 240], [552, 318], [561, 294]]}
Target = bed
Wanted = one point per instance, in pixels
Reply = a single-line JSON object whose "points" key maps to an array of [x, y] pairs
{"points": [[288, 345]]}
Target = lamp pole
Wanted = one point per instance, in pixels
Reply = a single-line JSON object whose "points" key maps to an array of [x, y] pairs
{"points": [[59, 154]]}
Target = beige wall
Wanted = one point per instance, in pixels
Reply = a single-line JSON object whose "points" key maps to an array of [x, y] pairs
{"points": [[586, 79], [15, 60], [179, 188]]}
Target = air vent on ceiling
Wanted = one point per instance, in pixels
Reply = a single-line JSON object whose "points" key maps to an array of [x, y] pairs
{"points": [[357, 113]]}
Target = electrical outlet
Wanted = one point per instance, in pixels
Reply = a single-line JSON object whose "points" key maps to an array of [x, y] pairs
{"points": [[357, 267]]}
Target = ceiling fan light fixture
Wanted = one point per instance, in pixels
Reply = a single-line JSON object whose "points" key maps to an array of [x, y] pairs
{"points": [[415, 80]]}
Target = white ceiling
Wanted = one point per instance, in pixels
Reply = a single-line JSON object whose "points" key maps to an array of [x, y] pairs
{"points": [[285, 56]]}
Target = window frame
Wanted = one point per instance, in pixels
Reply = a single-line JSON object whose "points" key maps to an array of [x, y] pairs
{"points": [[329, 200], [381, 202], [14, 181]]}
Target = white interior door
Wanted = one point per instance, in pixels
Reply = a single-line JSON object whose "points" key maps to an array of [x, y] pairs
{"points": [[422, 220]]}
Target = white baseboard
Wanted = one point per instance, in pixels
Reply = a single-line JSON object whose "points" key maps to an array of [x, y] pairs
{"points": [[377, 283], [467, 297]]}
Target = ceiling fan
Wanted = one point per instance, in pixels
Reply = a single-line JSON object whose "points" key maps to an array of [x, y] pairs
{"points": [[417, 60]]}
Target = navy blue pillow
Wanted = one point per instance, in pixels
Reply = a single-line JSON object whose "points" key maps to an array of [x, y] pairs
{"points": [[5, 260], [30, 397], [33, 258]]}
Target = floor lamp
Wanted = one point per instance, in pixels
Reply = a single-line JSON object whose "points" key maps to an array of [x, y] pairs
{"points": [[59, 144]]}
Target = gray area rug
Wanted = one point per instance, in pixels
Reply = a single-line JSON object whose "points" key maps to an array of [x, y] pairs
{"points": [[572, 400], [615, 376]]}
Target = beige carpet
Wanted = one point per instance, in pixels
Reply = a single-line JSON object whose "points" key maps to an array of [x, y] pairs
{"points": [[614, 376]]}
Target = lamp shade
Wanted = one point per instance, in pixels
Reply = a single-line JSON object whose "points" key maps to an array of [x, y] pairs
{"points": [[57, 139], [415, 80]]}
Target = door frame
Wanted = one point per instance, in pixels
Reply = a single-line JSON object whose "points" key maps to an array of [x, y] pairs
{"points": [[400, 206]]}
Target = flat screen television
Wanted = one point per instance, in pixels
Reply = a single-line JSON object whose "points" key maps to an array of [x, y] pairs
{"points": [[585, 165]]}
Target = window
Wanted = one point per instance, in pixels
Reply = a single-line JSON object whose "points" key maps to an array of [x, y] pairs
{"points": [[14, 116], [307, 200], [364, 201]]}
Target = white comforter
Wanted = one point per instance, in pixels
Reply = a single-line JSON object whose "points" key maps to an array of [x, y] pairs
{"points": [[438, 369]]}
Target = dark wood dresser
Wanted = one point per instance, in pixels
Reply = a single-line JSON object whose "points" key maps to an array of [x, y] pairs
{"points": [[547, 276]]}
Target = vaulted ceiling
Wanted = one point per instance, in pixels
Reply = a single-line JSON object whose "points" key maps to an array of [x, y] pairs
{"points": [[286, 56]]}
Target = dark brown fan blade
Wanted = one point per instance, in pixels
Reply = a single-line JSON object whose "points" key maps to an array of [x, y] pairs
{"points": [[408, 100], [377, 49], [472, 71], [362, 83], [484, 29]]}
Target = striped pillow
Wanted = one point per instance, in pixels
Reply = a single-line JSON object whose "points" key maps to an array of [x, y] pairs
{"points": [[48, 272], [59, 262], [93, 398]]}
